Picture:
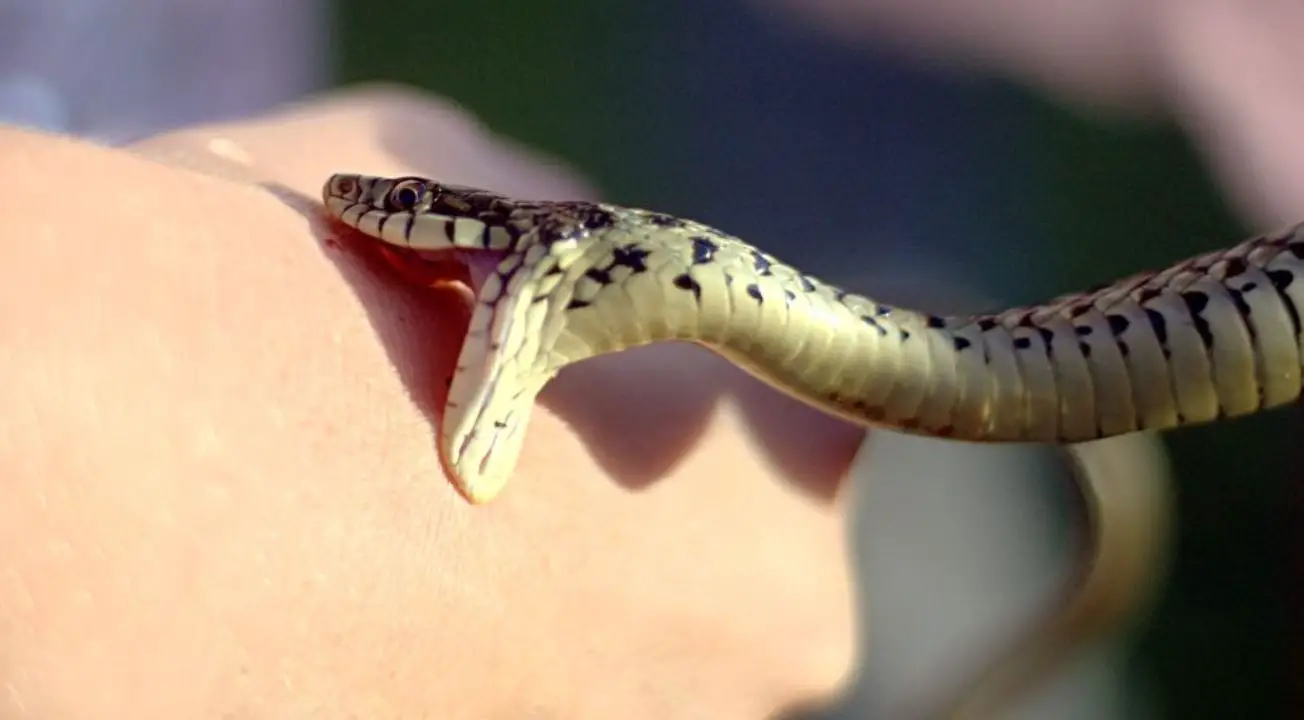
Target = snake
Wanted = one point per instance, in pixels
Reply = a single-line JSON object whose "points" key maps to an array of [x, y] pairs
{"points": [[1212, 337]]}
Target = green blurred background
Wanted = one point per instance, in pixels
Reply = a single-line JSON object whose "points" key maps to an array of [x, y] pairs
{"points": [[799, 145]]}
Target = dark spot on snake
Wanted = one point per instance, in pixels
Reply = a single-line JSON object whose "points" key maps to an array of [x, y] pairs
{"points": [[806, 283], [905, 334], [1123, 348], [761, 263], [1281, 279], [962, 344], [1196, 302], [1083, 330], [1249, 287], [664, 220], [630, 256], [880, 309], [1159, 324], [686, 282], [1046, 334], [1243, 309], [1080, 310], [554, 270], [986, 324], [1296, 249], [789, 297], [538, 299], [936, 322], [576, 304], [754, 291], [1085, 349], [598, 275], [486, 235], [945, 431], [595, 218], [1022, 343], [704, 249], [869, 320], [553, 233], [500, 424], [1118, 324], [1235, 266]]}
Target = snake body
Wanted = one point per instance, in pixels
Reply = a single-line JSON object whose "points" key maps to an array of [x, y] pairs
{"points": [[1215, 336]]}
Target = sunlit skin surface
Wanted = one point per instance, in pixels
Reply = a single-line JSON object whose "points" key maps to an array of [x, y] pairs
{"points": [[224, 498]]}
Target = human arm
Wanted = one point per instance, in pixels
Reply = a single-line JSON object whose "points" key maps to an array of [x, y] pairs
{"points": [[224, 492]]}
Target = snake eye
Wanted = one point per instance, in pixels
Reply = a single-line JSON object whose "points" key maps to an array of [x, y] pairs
{"points": [[344, 186], [405, 195]]}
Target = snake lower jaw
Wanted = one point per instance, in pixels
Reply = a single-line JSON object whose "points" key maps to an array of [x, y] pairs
{"points": [[480, 457], [477, 456]]}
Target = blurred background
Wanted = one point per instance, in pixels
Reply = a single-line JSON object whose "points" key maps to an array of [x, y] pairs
{"points": [[878, 170]]}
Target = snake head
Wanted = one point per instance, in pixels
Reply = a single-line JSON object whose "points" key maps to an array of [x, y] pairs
{"points": [[379, 194], [422, 214]]}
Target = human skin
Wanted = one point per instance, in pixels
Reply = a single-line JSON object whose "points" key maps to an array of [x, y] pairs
{"points": [[223, 499]]}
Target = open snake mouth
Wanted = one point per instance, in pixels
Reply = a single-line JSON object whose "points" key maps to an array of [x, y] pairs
{"points": [[431, 268]]}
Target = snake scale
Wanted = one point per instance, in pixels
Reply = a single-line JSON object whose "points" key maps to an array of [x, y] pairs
{"points": [[1215, 336]]}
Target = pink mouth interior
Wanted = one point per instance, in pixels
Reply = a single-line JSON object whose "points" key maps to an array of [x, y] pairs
{"points": [[479, 264]]}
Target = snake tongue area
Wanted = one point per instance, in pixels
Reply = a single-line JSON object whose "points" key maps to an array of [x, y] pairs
{"points": [[430, 268]]}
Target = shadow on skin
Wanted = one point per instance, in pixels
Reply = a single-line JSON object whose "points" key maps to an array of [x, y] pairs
{"points": [[641, 422], [638, 412], [423, 350]]}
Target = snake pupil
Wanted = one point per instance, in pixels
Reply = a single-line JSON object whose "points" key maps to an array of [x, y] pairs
{"points": [[405, 197]]}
